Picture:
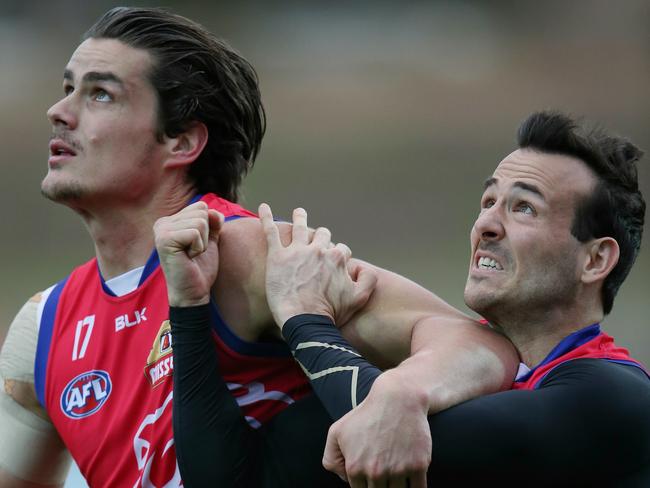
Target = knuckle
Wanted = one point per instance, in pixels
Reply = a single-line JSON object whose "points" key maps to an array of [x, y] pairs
{"points": [[328, 464]]}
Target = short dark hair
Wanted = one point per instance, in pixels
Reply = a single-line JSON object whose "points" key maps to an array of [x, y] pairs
{"points": [[197, 77], [616, 207]]}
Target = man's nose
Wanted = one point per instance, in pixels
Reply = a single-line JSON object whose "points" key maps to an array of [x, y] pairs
{"points": [[489, 224], [62, 113]]}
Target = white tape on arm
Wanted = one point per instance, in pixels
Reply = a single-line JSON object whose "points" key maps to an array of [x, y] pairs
{"points": [[30, 448]]}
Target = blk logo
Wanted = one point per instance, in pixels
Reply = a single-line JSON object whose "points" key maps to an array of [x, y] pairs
{"points": [[85, 394], [123, 321]]}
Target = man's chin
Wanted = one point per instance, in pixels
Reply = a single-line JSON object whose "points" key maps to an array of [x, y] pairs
{"points": [[480, 301], [62, 193]]}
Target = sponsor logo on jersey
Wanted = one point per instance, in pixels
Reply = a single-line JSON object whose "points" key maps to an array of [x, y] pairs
{"points": [[85, 394], [124, 321], [160, 363], [165, 342]]}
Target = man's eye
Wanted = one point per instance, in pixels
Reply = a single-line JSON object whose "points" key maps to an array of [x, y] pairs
{"points": [[102, 96], [487, 203], [525, 208], [68, 89]]}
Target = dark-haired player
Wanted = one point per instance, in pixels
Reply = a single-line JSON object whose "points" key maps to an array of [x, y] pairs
{"points": [[559, 229]]}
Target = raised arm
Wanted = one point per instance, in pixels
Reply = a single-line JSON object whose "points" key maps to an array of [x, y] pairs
{"points": [[400, 317], [31, 452], [215, 446]]}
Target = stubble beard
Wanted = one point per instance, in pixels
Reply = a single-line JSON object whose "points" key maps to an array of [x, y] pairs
{"points": [[531, 300], [63, 193]]}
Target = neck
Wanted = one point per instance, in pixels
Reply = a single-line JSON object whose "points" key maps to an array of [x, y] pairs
{"points": [[123, 232], [535, 336]]}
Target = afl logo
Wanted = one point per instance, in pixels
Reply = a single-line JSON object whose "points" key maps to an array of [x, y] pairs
{"points": [[85, 394]]}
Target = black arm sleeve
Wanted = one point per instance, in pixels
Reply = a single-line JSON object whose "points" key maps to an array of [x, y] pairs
{"points": [[215, 446], [340, 376], [587, 425]]}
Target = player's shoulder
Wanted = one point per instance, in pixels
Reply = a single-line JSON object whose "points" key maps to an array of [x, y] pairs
{"points": [[600, 371], [243, 242], [617, 389]]}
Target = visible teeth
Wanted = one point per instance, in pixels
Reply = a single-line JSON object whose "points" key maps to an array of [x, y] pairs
{"points": [[488, 263]]}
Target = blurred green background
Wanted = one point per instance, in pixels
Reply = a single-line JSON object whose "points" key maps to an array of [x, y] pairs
{"points": [[384, 120]]}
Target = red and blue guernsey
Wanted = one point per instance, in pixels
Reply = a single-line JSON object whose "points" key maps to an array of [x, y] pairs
{"points": [[589, 342], [103, 372]]}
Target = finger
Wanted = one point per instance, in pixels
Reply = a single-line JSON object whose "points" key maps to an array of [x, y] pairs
{"points": [[333, 457], [358, 482], [378, 483], [322, 237], [215, 223], [300, 232], [200, 205], [398, 482], [200, 224], [183, 240], [270, 228], [347, 252], [417, 480]]}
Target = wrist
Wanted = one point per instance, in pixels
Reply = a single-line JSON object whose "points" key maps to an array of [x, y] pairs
{"points": [[283, 315], [184, 302], [394, 386]]}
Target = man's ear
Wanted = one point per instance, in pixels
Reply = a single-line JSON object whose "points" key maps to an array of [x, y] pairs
{"points": [[602, 256], [183, 149]]}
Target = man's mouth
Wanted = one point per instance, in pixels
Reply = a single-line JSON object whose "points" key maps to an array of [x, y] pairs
{"points": [[489, 264], [60, 148]]}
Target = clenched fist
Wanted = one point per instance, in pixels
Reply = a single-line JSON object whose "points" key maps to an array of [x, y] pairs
{"points": [[187, 245]]}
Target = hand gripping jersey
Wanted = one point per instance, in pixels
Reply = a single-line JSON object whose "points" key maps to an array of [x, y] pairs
{"points": [[103, 372], [589, 342]]}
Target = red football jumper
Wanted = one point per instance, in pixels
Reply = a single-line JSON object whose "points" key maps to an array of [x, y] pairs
{"points": [[103, 372], [589, 342]]}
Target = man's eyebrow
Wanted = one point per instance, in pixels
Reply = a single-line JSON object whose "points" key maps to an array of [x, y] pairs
{"points": [[530, 188], [94, 76], [519, 184], [489, 182]]}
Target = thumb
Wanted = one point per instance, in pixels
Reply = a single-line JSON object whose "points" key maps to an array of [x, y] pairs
{"points": [[215, 223], [365, 280]]}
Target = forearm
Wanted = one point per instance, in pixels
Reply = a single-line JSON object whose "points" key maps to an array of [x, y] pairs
{"points": [[450, 364], [214, 444], [452, 360], [340, 377], [587, 425]]}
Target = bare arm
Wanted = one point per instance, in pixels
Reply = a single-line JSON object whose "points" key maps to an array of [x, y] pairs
{"points": [[383, 331], [401, 319], [453, 359], [386, 439], [31, 452]]}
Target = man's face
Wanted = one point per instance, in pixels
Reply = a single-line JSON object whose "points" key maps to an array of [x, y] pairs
{"points": [[103, 145], [524, 258]]}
